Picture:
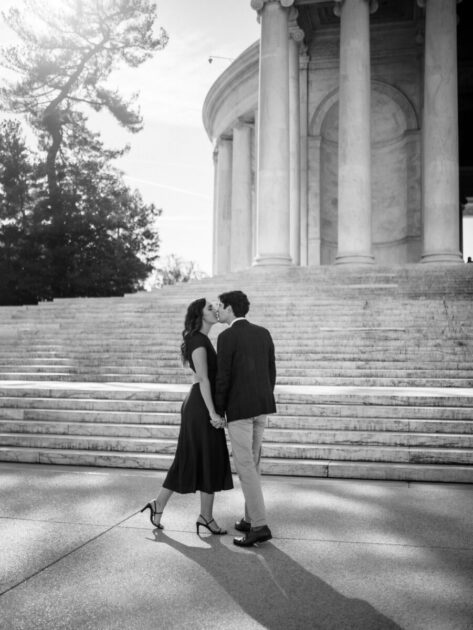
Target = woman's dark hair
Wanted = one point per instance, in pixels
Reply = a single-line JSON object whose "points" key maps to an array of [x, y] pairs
{"points": [[192, 325], [237, 300]]}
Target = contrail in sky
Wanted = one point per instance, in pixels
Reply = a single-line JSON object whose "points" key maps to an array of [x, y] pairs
{"points": [[157, 185]]}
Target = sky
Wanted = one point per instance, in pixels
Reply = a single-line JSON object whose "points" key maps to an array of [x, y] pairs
{"points": [[170, 162]]}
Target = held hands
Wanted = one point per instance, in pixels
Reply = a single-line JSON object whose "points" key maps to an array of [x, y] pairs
{"points": [[217, 421]]}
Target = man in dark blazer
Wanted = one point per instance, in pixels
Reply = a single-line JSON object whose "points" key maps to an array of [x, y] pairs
{"points": [[246, 375]]}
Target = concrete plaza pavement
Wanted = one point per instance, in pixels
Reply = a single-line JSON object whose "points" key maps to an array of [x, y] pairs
{"points": [[75, 552]]}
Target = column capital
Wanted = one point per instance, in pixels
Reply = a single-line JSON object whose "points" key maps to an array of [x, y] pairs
{"points": [[258, 5], [218, 142], [224, 137], [337, 9], [295, 31], [241, 123]]}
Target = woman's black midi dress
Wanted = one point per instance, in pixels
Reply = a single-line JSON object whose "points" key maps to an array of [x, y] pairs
{"points": [[201, 461]]}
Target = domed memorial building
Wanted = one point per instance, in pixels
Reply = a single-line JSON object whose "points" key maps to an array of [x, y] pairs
{"points": [[336, 136]]}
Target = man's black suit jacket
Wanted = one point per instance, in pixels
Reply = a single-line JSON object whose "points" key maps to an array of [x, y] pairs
{"points": [[246, 371]]}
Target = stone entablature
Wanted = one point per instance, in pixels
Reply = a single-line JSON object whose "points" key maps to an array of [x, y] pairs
{"points": [[334, 150], [234, 95]]}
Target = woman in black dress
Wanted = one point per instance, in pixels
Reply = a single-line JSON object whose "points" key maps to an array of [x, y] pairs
{"points": [[201, 461]]}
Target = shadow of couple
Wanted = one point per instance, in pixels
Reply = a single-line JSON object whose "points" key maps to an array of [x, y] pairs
{"points": [[275, 590]]}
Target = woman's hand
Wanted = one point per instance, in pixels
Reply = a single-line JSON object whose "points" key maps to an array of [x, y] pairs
{"points": [[217, 421]]}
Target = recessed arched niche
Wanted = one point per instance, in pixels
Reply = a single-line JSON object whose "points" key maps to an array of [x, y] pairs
{"points": [[395, 176]]}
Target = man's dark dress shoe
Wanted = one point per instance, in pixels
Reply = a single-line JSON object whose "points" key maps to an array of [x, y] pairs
{"points": [[256, 535], [242, 526]]}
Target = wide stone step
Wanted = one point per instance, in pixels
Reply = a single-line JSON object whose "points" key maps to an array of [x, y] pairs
{"points": [[17, 359], [376, 396], [313, 326], [347, 417], [431, 360], [337, 381], [403, 372], [172, 363], [371, 408], [354, 423], [368, 453], [50, 408], [369, 438], [370, 326], [170, 372], [105, 431], [269, 466], [159, 302], [367, 470], [375, 382], [289, 300], [89, 442], [36, 415], [402, 331], [109, 431], [292, 343], [312, 334], [285, 395], [74, 457], [132, 392], [37, 368], [36, 376], [330, 451], [387, 313], [132, 410], [286, 359]]}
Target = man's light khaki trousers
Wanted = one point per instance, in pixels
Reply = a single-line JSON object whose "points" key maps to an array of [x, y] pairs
{"points": [[246, 437]]}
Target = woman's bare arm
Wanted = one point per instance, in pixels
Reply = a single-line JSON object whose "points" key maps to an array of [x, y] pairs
{"points": [[199, 358]]}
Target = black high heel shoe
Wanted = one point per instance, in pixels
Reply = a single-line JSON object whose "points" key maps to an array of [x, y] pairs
{"points": [[153, 513], [217, 532]]}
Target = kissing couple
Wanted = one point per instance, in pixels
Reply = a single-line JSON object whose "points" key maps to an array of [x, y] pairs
{"points": [[232, 388]]}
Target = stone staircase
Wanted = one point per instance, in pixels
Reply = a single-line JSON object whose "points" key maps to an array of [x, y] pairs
{"points": [[374, 373]]}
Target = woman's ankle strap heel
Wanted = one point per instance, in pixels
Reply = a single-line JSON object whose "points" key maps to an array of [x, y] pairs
{"points": [[206, 524]]}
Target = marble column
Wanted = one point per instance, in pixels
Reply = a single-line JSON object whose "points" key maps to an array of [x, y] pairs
{"points": [[304, 125], [254, 170], [273, 216], [222, 212], [241, 211], [215, 209], [354, 139], [440, 183], [296, 36]]}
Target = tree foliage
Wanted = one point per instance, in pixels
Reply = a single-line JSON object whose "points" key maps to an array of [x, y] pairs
{"points": [[65, 64], [174, 270], [68, 223], [106, 243]]}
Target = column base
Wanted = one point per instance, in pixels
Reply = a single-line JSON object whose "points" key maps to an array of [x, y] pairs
{"points": [[354, 259], [272, 260], [442, 257]]}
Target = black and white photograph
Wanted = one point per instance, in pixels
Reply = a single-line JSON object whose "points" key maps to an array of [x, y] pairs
{"points": [[236, 314]]}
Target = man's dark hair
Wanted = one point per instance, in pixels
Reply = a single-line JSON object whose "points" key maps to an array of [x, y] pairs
{"points": [[237, 300]]}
